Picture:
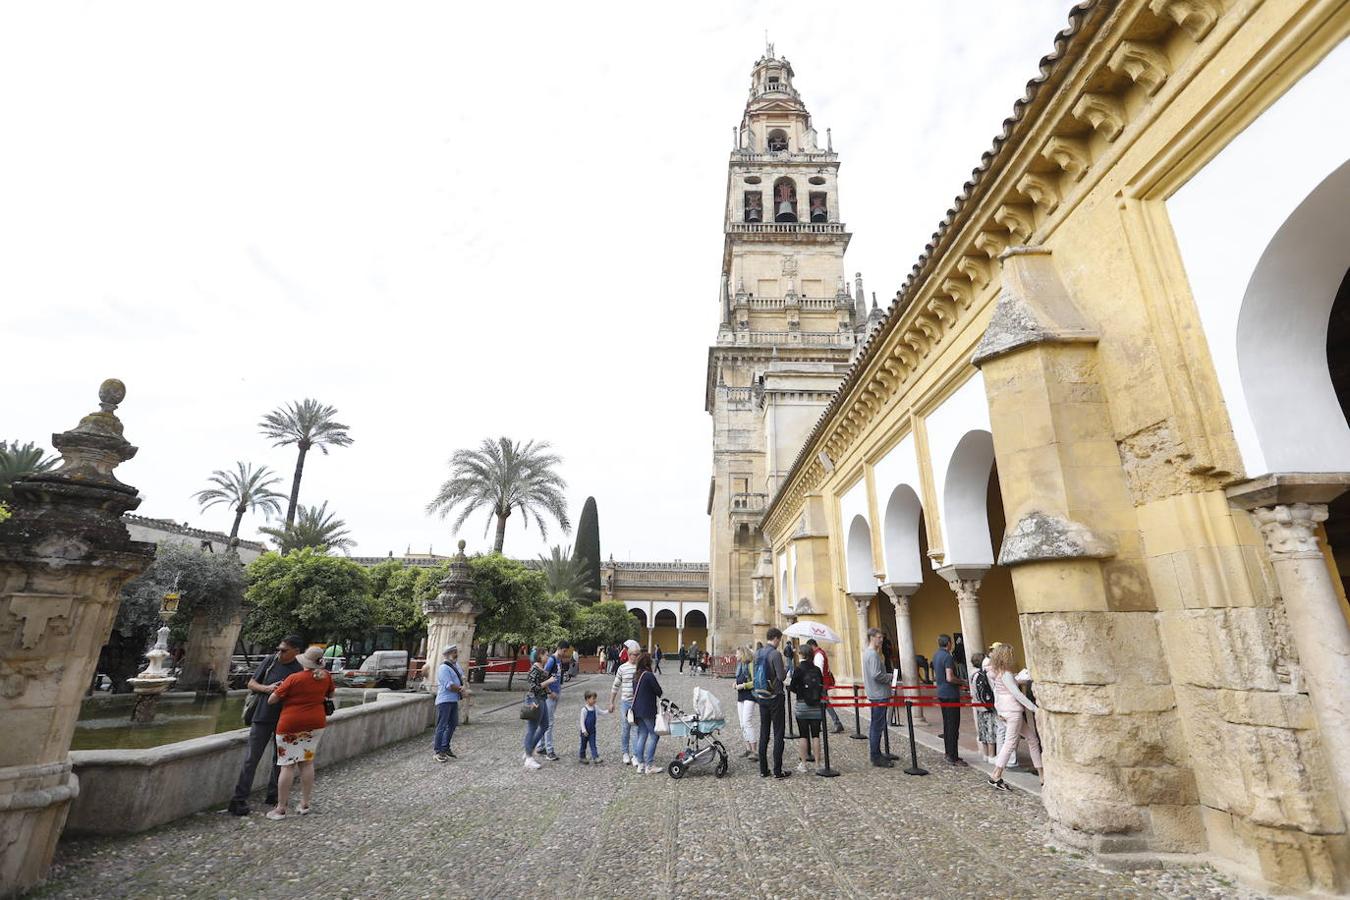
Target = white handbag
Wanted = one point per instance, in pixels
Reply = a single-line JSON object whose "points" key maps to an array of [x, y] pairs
{"points": [[662, 722]]}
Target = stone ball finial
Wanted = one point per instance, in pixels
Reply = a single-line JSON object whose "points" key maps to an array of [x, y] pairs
{"points": [[461, 546], [110, 393]]}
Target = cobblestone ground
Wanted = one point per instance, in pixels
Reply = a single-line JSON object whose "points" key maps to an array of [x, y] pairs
{"points": [[397, 824]]}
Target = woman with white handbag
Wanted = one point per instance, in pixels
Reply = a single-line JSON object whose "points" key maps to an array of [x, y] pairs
{"points": [[646, 690]]}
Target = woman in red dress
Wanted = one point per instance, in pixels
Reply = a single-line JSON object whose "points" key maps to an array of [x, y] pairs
{"points": [[303, 717]]}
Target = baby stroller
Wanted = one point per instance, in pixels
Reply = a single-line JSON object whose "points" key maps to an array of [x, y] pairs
{"points": [[698, 730]]}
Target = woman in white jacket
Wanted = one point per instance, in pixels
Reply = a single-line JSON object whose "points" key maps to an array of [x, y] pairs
{"points": [[1010, 706]]}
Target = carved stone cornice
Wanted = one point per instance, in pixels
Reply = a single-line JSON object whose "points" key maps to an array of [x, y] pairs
{"points": [[1290, 530], [1144, 64], [1104, 112]]}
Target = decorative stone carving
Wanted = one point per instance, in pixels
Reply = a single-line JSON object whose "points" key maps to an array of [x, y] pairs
{"points": [[1070, 154], [1041, 190], [64, 557], [974, 269], [1034, 307], [1103, 112], [1290, 530], [1195, 17], [1017, 219], [452, 614], [1039, 537], [990, 243], [789, 268], [1145, 64]]}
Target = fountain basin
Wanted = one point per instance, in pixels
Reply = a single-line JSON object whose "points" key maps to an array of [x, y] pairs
{"points": [[128, 791]]}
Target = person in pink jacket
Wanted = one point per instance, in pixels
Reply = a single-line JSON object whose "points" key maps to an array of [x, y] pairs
{"points": [[1011, 706]]}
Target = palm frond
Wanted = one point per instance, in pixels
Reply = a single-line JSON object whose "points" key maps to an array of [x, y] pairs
{"points": [[315, 527], [245, 486], [306, 422]]}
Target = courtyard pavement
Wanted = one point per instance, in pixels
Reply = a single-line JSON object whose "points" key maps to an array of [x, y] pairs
{"points": [[397, 824]]}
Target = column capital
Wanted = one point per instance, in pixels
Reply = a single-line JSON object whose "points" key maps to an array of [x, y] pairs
{"points": [[1279, 488], [862, 599], [900, 590], [1290, 529], [963, 580]]}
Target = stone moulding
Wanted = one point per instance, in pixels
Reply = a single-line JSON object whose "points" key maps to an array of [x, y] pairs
{"points": [[1040, 537], [1034, 307]]}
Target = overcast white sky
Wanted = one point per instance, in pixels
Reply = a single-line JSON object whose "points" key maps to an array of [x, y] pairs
{"points": [[450, 221]]}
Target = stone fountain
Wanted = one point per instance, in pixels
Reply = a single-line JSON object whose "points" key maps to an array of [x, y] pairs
{"points": [[153, 682]]}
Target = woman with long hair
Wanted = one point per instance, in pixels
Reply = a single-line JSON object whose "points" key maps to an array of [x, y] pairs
{"points": [[1010, 706], [536, 726], [646, 690], [745, 701]]}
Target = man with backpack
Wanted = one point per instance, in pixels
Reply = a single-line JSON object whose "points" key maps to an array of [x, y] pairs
{"points": [[823, 664], [770, 674], [557, 666]]}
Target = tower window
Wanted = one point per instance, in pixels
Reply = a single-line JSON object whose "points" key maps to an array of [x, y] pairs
{"points": [[820, 211], [754, 206], [784, 200], [778, 142]]}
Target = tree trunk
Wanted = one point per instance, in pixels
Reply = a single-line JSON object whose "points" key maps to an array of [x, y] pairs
{"points": [[238, 517], [501, 532], [295, 484], [511, 675]]}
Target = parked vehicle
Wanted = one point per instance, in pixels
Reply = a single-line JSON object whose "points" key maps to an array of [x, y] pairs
{"points": [[383, 668]]}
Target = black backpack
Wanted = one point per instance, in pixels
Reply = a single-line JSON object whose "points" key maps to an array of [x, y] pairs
{"points": [[811, 686], [984, 691]]}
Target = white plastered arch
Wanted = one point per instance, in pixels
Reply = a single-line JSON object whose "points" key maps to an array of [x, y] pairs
{"points": [[900, 536], [858, 552], [961, 449]]}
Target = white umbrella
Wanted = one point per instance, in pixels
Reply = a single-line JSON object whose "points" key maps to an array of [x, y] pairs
{"points": [[822, 633]]}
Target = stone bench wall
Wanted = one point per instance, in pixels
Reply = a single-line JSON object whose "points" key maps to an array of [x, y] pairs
{"points": [[128, 791]]}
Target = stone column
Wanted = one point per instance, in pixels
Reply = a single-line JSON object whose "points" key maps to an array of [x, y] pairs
{"points": [[64, 557], [1287, 510], [451, 615], [210, 644], [965, 584], [904, 636], [862, 600]]}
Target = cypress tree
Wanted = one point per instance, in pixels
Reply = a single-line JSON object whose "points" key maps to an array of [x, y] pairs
{"points": [[588, 544]]}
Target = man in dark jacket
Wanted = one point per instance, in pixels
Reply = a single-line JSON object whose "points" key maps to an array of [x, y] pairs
{"points": [[773, 707], [263, 728]]}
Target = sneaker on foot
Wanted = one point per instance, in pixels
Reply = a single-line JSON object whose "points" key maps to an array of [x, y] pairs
{"points": [[626, 759], [450, 753], [533, 763], [551, 757], [597, 761], [583, 760], [275, 816], [237, 808], [999, 785], [781, 775], [801, 767], [441, 757]]}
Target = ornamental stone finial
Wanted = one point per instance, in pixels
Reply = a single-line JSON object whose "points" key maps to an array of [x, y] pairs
{"points": [[92, 449], [456, 589]]}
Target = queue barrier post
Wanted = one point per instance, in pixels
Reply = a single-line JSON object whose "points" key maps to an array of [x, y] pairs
{"points": [[857, 734], [825, 771], [886, 740], [914, 767]]}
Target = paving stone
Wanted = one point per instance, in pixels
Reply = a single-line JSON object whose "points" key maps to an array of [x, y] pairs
{"points": [[396, 823]]}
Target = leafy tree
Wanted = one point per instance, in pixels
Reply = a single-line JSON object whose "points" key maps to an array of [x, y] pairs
{"points": [[4, 512], [513, 598], [212, 583], [607, 622], [307, 424], [504, 477], [19, 461], [309, 593], [245, 490], [398, 591], [315, 528], [588, 545], [566, 575]]}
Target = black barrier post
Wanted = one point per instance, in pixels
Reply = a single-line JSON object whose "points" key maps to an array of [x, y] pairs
{"points": [[914, 767], [886, 740], [857, 734], [825, 771]]}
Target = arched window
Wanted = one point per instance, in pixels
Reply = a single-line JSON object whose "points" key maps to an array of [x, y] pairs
{"points": [[778, 141], [784, 200], [754, 206], [820, 211]]}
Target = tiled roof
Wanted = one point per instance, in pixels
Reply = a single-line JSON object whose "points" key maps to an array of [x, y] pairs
{"points": [[188, 531]]}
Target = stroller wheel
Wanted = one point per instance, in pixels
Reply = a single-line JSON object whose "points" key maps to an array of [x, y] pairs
{"points": [[721, 768], [675, 769]]}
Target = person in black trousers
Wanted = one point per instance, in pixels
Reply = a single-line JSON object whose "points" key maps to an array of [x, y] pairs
{"points": [[772, 709], [948, 692], [263, 728]]}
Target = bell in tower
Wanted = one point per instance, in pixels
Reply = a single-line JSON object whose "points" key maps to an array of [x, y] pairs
{"points": [[785, 201]]}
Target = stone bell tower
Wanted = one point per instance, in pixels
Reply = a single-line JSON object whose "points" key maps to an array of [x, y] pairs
{"points": [[789, 324]]}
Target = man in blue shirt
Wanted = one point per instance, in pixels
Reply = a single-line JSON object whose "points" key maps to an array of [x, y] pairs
{"points": [[556, 665], [948, 691], [449, 688]]}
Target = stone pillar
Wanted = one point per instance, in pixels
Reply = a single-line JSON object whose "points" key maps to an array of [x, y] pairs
{"points": [[210, 644], [862, 601], [762, 585], [64, 557], [965, 584], [1287, 510], [451, 615], [904, 636]]}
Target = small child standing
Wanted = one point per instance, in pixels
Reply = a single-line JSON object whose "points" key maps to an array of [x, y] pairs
{"points": [[587, 726]]}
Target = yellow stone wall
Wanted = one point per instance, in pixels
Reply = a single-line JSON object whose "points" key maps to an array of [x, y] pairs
{"points": [[1173, 720]]}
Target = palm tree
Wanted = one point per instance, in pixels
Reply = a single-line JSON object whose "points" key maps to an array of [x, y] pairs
{"points": [[504, 476], [306, 424], [315, 527], [246, 489], [567, 575], [19, 461]]}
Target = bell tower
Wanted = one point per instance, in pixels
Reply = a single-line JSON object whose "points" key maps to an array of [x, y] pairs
{"points": [[789, 326]]}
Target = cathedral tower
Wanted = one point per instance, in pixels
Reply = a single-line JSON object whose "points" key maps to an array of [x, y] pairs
{"points": [[789, 326]]}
